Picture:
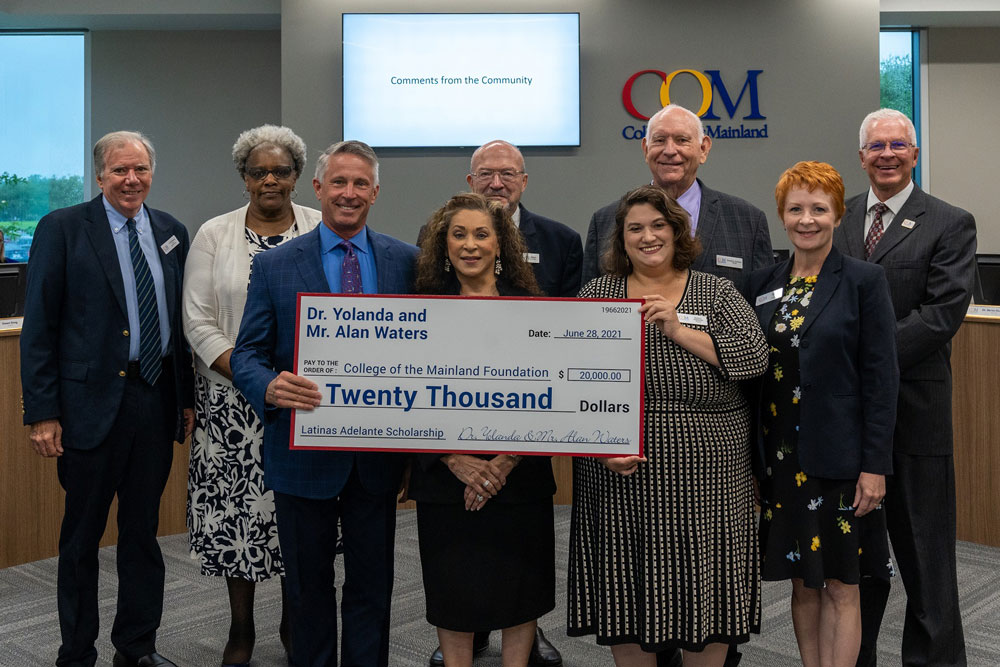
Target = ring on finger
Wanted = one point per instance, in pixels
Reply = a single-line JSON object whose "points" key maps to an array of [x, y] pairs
{"points": [[479, 498], [486, 484]]}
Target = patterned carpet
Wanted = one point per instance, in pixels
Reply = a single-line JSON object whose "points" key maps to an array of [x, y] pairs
{"points": [[195, 620]]}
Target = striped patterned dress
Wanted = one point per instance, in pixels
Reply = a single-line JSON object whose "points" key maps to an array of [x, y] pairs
{"points": [[668, 556]]}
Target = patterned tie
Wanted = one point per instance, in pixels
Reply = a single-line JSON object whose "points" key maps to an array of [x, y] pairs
{"points": [[350, 270], [150, 363], [875, 231]]}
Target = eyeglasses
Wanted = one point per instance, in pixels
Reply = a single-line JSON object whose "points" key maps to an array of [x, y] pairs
{"points": [[260, 173], [506, 175], [894, 146]]}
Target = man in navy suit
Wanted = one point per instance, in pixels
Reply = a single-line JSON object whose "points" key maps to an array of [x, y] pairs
{"points": [[313, 489], [734, 236], [108, 386], [928, 250]]}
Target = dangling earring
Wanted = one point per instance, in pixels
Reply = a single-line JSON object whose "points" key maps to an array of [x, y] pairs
{"points": [[294, 193], [497, 267], [246, 194], [447, 265]]}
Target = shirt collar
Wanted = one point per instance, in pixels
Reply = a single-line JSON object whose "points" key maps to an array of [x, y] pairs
{"points": [[516, 216], [895, 202], [690, 199], [117, 220], [330, 239]]}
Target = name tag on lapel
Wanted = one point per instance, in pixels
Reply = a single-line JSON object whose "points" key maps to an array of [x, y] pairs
{"points": [[531, 257], [730, 262], [769, 296], [689, 318], [169, 245], [908, 224]]}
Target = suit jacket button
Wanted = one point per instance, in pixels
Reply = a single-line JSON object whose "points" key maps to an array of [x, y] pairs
{"points": [[121, 374], [124, 332]]}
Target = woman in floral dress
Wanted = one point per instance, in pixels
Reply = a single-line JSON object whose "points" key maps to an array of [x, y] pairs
{"points": [[230, 512], [826, 413]]}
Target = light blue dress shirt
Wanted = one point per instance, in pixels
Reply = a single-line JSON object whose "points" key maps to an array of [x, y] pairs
{"points": [[119, 231], [690, 201], [333, 258]]}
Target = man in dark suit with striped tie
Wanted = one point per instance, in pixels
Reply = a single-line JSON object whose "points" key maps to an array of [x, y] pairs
{"points": [[108, 386], [928, 250]]}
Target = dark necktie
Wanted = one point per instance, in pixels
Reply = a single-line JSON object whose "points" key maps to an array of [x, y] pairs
{"points": [[350, 270], [150, 362], [875, 231]]}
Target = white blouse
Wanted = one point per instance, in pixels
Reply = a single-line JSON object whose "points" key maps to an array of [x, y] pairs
{"points": [[216, 275]]}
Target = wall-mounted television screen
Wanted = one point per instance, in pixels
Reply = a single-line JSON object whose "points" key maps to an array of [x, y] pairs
{"points": [[447, 80]]}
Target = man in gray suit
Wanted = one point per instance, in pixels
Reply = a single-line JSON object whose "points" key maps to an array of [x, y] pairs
{"points": [[733, 232], [928, 250]]}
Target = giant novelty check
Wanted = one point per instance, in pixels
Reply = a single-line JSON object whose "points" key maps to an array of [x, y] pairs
{"points": [[456, 374]]}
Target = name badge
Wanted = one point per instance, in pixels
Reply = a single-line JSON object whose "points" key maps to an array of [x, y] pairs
{"points": [[731, 262], [690, 318], [169, 245], [531, 257], [908, 223], [769, 296]]}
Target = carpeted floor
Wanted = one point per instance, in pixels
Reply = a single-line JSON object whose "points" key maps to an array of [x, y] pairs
{"points": [[195, 620]]}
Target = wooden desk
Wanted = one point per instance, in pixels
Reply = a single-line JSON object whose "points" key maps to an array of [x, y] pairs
{"points": [[31, 500], [975, 363]]}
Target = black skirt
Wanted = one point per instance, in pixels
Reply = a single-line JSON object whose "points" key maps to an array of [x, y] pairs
{"points": [[487, 570]]}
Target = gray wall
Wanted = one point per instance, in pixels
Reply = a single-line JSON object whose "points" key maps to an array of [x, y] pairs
{"points": [[820, 79], [192, 92], [963, 72]]}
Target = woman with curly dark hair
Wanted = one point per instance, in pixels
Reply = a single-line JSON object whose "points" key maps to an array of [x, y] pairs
{"points": [[487, 553], [438, 274]]}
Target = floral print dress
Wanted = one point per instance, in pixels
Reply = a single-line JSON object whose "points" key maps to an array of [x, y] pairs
{"points": [[230, 516], [808, 529]]}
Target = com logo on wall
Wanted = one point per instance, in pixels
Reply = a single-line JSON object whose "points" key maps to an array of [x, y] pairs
{"points": [[715, 97]]}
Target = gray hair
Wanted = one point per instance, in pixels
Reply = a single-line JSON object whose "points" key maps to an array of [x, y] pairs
{"points": [[489, 144], [887, 114], [278, 135], [692, 116], [113, 140], [359, 148]]}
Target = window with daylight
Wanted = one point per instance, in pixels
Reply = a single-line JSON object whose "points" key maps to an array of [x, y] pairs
{"points": [[899, 75], [42, 136]]}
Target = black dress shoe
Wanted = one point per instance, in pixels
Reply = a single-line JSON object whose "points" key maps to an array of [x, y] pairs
{"points": [[480, 642], [542, 652], [154, 659]]}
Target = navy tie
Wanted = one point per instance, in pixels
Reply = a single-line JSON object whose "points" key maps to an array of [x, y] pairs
{"points": [[150, 362], [350, 270]]}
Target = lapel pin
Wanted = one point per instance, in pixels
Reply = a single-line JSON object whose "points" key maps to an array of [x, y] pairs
{"points": [[908, 223]]}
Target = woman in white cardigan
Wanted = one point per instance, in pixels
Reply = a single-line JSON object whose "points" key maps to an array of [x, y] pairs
{"points": [[230, 514]]}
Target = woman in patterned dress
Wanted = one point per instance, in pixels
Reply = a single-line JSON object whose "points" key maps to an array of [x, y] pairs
{"points": [[663, 551], [230, 513], [827, 413]]}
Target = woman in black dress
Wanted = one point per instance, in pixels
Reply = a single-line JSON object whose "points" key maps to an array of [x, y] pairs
{"points": [[484, 521], [827, 412]]}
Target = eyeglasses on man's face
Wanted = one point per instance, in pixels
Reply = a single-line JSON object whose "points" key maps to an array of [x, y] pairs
{"points": [[506, 175], [894, 146]]}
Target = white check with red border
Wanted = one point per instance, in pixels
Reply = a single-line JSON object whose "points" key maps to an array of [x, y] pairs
{"points": [[466, 374]]}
